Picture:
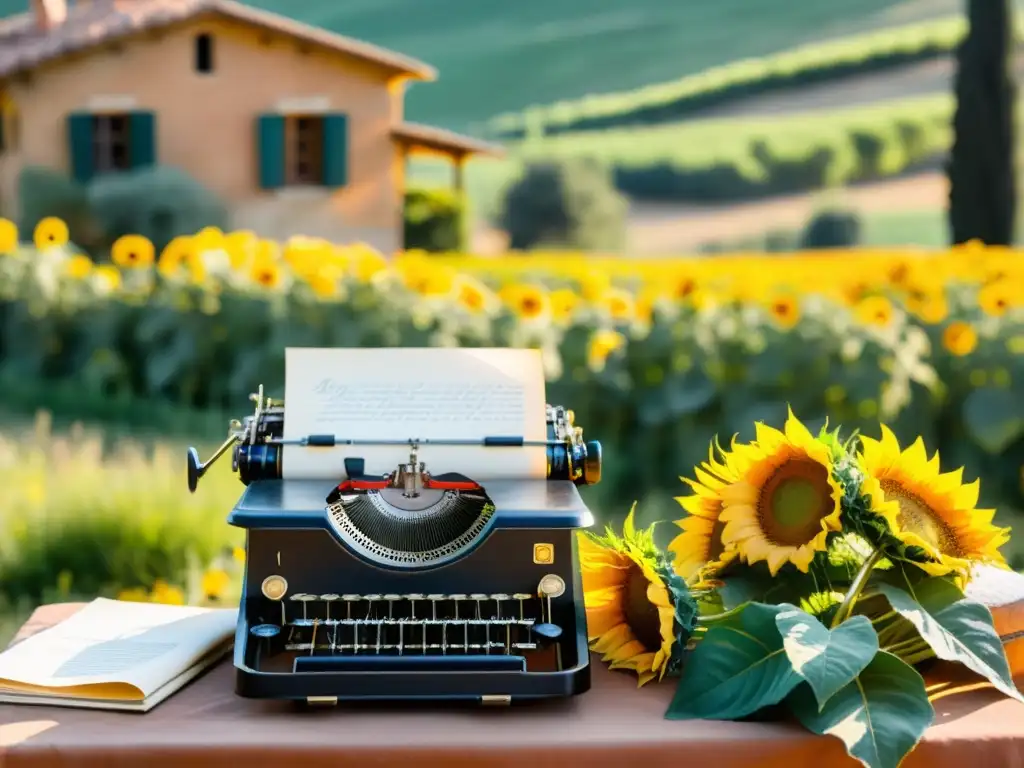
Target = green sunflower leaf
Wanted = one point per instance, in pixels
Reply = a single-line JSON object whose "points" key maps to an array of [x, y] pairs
{"points": [[994, 417], [956, 628], [827, 659], [739, 667], [880, 715]]}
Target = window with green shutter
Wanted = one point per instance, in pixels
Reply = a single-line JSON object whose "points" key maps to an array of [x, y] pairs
{"points": [[271, 151], [80, 146], [335, 150], [142, 139]]}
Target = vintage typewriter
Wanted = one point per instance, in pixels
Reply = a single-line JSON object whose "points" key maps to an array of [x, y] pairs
{"points": [[408, 585]]}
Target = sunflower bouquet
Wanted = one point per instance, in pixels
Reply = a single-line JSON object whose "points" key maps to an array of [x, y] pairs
{"points": [[813, 576]]}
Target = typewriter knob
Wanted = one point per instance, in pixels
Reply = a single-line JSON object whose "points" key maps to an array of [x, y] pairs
{"points": [[193, 470], [592, 463]]}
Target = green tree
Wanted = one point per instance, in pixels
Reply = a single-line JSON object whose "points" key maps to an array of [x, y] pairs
{"points": [[572, 204], [981, 167]]}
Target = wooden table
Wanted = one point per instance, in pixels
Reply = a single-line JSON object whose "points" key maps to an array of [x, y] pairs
{"points": [[612, 726]]}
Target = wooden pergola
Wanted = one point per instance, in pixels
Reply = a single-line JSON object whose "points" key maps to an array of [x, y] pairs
{"points": [[423, 140]]}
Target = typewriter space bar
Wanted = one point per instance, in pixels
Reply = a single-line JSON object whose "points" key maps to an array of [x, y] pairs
{"points": [[410, 664]]}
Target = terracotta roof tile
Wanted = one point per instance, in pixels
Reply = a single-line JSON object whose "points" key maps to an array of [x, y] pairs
{"points": [[23, 45]]}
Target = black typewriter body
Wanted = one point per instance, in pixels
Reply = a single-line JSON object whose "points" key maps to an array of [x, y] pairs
{"points": [[408, 586]]}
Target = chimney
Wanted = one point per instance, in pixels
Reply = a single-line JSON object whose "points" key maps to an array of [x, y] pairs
{"points": [[49, 13]]}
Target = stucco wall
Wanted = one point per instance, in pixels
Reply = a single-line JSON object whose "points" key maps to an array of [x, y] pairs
{"points": [[206, 123]]}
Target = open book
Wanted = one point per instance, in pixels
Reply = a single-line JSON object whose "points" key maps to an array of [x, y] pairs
{"points": [[116, 655]]}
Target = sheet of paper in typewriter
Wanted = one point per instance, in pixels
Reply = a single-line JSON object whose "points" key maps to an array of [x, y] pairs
{"points": [[400, 394]]}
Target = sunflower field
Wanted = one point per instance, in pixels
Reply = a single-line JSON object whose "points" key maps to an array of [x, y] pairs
{"points": [[656, 357]]}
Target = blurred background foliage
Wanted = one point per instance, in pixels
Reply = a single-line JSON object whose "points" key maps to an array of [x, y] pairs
{"points": [[657, 358]]}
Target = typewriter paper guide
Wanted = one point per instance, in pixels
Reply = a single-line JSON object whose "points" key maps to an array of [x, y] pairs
{"points": [[398, 394], [115, 655]]}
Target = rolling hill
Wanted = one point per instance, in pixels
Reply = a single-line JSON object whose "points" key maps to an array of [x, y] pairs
{"points": [[499, 58]]}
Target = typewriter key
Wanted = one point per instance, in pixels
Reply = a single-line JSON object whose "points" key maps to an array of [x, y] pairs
{"points": [[329, 599], [391, 604], [457, 599], [265, 630], [522, 597], [305, 600], [412, 603], [434, 600], [349, 599]]}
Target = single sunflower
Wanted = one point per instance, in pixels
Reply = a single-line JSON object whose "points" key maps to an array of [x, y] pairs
{"points": [[631, 619], [933, 514], [785, 501], [699, 550]]}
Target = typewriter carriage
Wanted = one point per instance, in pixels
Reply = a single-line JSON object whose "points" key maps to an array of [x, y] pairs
{"points": [[518, 631]]}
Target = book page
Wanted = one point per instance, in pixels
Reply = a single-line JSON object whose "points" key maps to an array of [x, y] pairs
{"points": [[115, 650], [400, 394]]}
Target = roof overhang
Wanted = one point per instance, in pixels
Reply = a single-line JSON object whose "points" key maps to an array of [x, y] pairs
{"points": [[424, 139]]}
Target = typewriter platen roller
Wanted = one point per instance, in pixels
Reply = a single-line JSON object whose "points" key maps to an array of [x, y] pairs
{"points": [[408, 585]]}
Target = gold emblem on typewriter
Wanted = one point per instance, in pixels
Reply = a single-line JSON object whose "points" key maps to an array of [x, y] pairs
{"points": [[543, 554], [274, 587]]}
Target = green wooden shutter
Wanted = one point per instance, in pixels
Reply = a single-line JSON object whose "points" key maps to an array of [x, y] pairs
{"points": [[80, 154], [142, 139], [335, 155], [270, 144]]}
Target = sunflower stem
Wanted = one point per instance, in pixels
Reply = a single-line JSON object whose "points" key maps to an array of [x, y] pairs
{"points": [[914, 643], [883, 617], [859, 582]]}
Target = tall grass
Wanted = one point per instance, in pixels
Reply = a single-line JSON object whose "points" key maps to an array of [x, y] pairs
{"points": [[81, 519]]}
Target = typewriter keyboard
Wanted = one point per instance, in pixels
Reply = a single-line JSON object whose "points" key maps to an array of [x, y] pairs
{"points": [[412, 624]]}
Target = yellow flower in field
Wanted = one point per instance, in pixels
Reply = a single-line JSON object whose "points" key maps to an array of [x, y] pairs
{"points": [[108, 276], [367, 262], [167, 594], [786, 500], [134, 595], [528, 301], [683, 287], [51, 232], [594, 284], [930, 510], [630, 618], [209, 239], [8, 237], [854, 291], [472, 294], [699, 549], [238, 554], [241, 248], [875, 310], [131, 251], [267, 250], [563, 303], [602, 344], [645, 302], [216, 582], [324, 282], [928, 306], [78, 267], [428, 279], [959, 338], [178, 255], [785, 311], [620, 304], [995, 298], [305, 255], [266, 273], [899, 273]]}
